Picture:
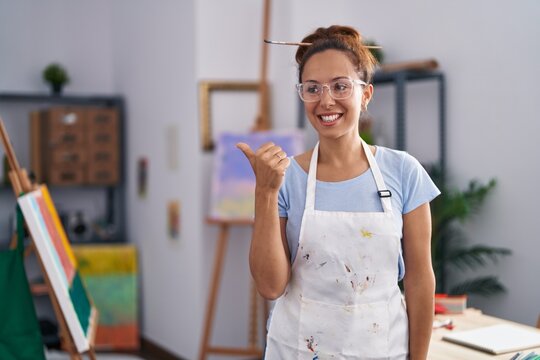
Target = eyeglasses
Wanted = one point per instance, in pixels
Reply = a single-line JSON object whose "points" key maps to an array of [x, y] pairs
{"points": [[339, 89]]}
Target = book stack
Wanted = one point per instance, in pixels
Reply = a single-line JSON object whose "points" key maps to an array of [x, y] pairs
{"points": [[450, 304]]}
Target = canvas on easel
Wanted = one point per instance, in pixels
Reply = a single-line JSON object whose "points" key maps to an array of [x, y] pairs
{"points": [[233, 183], [58, 261], [74, 310]]}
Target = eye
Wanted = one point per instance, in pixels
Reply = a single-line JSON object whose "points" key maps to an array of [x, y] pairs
{"points": [[341, 86], [312, 88]]}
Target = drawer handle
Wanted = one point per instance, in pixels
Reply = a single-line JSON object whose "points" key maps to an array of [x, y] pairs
{"points": [[69, 119]]}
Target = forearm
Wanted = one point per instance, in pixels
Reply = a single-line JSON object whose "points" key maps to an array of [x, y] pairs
{"points": [[419, 295], [268, 259]]}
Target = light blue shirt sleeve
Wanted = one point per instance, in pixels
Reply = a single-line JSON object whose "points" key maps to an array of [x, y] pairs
{"points": [[417, 186]]}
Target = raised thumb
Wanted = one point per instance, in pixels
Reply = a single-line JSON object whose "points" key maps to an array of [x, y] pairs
{"points": [[250, 155]]}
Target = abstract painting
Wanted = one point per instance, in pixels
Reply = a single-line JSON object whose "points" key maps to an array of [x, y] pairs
{"points": [[233, 183]]}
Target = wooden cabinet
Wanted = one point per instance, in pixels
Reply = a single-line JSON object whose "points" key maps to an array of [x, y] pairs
{"points": [[75, 145]]}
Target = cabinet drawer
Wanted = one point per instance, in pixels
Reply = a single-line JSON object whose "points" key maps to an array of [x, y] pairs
{"points": [[66, 175], [66, 137], [60, 119], [98, 156], [103, 174], [68, 155], [102, 120], [103, 139]]}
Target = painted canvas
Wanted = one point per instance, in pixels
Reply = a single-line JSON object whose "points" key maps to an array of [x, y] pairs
{"points": [[110, 275], [59, 263], [233, 183]]}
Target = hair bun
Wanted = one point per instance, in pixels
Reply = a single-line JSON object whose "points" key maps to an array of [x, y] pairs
{"points": [[344, 34], [342, 38]]}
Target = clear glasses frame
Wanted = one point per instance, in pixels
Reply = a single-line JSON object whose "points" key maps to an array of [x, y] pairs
{"points": [[333, 89]]}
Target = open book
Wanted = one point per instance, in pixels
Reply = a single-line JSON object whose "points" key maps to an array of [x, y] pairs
{"points": [[497, 339]]}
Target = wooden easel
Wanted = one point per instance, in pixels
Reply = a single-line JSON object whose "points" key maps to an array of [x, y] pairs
{"points": [[253, 348], [21, 184]]}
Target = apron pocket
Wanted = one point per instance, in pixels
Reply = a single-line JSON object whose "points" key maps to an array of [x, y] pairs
{"points": [[355, 331]]}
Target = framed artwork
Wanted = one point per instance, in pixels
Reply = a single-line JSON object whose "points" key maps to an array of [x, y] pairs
{"points": [[59, 264], [208, 103], [233, 183]]}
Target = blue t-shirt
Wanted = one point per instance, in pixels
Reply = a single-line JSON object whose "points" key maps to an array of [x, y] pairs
{"points": [[403, 175]]}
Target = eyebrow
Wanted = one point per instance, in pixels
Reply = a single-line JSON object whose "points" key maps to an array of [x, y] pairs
{"points": [[334, 79]]}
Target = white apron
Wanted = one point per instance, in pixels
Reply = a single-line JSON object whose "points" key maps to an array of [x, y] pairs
{"points": [[342, 301]]}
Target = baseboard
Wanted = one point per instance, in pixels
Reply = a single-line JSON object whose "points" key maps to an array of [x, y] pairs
{"points": [[152, 351]]}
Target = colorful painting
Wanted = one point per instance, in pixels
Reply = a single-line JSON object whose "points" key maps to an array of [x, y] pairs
{"points": [[110, 275], [233, 185], [59, 263]]}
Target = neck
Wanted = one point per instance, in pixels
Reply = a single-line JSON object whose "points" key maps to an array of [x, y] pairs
{"points": [[340, 152]]}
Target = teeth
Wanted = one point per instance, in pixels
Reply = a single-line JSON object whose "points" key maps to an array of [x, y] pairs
{"points": [[329, 118]]}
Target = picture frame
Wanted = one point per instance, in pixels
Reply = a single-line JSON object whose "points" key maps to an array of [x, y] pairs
{"points": [[206, 89]]}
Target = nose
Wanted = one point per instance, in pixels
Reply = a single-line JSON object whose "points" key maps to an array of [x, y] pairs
{"points": [[327, 99]]}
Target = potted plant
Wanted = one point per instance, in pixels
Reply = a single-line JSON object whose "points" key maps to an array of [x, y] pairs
{"points": [[449, 254], [56, 76]]}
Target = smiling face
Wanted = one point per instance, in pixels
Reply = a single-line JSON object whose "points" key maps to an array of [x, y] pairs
{"points": [[334, 118]]}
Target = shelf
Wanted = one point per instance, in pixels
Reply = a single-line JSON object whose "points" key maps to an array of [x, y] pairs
{"points": [[114, 194], [408, 75], [399, 79], [61, 99], [39, 289]]}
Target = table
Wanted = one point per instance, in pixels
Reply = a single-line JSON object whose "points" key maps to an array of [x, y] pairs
{"points": [[470, 319]]}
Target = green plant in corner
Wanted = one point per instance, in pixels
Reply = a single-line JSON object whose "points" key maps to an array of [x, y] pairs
{"points": [[56, 76], [449, 211]]}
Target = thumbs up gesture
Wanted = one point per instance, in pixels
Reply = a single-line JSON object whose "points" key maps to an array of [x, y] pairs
{"points": [[269, 164]]}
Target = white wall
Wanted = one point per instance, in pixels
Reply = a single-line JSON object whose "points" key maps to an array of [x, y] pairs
{"points": [[74, 33], [228, 48], [154, 67], [154, 53]]}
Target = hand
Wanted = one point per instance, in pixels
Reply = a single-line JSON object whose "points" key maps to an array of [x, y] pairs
{"points": [[269, 164]]}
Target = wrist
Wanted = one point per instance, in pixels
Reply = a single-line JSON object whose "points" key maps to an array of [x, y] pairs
{"points": [[266, 193]]}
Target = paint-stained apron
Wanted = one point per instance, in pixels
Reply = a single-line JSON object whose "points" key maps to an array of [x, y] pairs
{"points": [[343, 300]]}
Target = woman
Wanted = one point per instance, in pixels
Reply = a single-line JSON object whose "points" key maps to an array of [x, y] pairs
{"points": [[336, 227]]}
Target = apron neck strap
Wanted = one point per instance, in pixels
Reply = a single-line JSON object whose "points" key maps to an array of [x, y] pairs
{"points": [[312, 179], [382, 190]]}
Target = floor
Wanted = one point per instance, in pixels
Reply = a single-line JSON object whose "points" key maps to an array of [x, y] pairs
{"points": [[60, 355]]}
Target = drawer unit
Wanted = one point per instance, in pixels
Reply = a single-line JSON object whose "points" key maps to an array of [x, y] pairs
{"points": [[76, 146]]}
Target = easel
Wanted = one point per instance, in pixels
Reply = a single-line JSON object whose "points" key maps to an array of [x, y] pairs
{"points": [[254, 348], [262, 123], [21, 184]]}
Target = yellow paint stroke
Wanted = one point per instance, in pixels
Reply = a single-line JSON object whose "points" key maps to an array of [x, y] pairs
{"points": [[366, 233], [58, 224]]}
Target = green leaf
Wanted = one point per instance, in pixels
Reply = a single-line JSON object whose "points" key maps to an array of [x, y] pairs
{"points": [[483, 286], [449, 211], [475, 256]]}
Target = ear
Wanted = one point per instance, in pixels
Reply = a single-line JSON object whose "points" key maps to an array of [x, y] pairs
{"points": [[367, 94]]}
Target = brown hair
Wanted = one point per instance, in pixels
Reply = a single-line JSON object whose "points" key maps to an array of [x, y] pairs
{"points": [[341, 38]]}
